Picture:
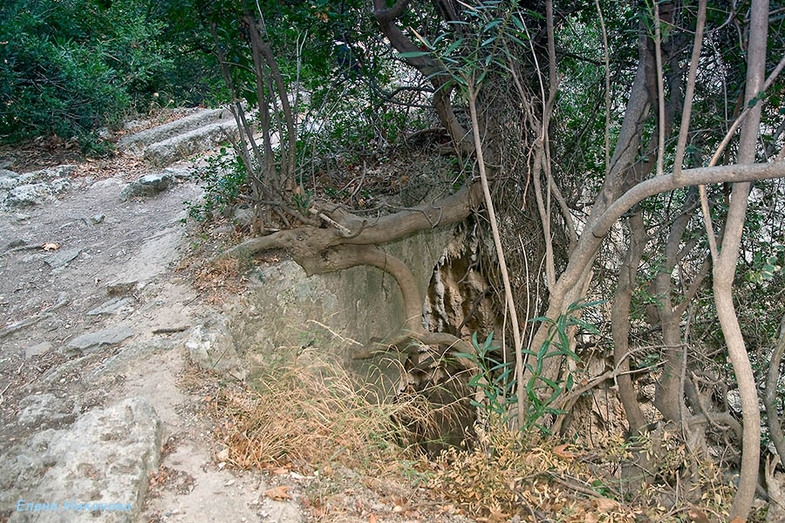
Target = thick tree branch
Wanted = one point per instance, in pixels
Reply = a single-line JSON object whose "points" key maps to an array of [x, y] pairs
{"points": [[314, 240], [345, 256], [428, 67]]}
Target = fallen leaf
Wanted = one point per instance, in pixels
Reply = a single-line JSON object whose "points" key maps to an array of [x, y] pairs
{"points": [[606, 504], [562, 452], [278, 493], [371, 519], [279, 471], [50, 246]]}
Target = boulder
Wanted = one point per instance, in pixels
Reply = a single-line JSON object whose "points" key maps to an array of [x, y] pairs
{"points": [[147, 185], [212, 347]]}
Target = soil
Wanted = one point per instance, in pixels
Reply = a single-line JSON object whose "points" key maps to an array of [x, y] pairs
{"points": [[121, 270]]}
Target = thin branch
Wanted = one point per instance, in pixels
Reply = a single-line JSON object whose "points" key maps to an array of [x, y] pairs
{"points": [[606, 57], [690, 93], [516, 326], [660, 91]]}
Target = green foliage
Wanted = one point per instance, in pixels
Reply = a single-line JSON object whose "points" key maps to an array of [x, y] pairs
{"points": [[223, 180], [496, 379], [766, 265], [68, 67], [542, 392]]}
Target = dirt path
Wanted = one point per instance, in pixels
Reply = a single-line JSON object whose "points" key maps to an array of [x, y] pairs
{"points": [[94, 322]]}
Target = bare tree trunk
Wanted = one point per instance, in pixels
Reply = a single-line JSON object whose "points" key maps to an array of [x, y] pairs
{"points": [[670, 388], [725, 267], [620, 323], [571, 284]]}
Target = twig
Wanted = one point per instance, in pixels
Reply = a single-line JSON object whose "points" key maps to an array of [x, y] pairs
{"points": [[343, 230], [576, 487], [171, 330], [335, 334], [22, 248]]}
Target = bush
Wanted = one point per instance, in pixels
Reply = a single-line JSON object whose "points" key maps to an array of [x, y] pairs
{"points": [[68, 67]]}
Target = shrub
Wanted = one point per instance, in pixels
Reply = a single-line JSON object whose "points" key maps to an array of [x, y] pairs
{"points": [[68, 67]]}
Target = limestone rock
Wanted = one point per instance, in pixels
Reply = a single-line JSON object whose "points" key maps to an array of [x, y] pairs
{"points": [[147, 185], [27, 195], [33, 188], [45, 410], [62, 257], [95, 340], [48, 175], [30, 194], [37, 349], [213, 347], [110, 307], [181, 146], [135, 144], [8, 179], [104, 460], [121, 288]]}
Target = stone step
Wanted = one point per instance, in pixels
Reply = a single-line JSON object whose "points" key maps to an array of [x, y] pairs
{"points": [[134, 145], [170, 150]]}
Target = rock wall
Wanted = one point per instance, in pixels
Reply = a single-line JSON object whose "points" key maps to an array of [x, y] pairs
{"points": [[285, 308]]}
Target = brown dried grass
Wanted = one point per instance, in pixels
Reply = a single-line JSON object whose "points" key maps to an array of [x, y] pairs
{"points": [[305, 414]]}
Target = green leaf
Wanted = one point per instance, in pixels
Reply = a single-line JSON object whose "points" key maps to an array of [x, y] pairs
{"points": [[588, 327], [489, 340], [490, 25], [414, 54], [453, 46]]}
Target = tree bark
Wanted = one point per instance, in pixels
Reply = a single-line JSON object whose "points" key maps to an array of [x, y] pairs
{"points": [[428, 67], [725, 267], [770, 397], [620, 323], [669, 398]]}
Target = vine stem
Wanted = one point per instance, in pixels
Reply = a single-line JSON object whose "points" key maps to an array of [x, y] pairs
{"points": [[516, 328]]}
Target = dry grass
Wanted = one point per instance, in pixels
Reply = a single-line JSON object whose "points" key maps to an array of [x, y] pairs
{"points": [[306, 413]]}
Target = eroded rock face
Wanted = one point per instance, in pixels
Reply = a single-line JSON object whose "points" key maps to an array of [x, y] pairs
{"points": [[459, 297], [101, 462], [44, 410]]}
